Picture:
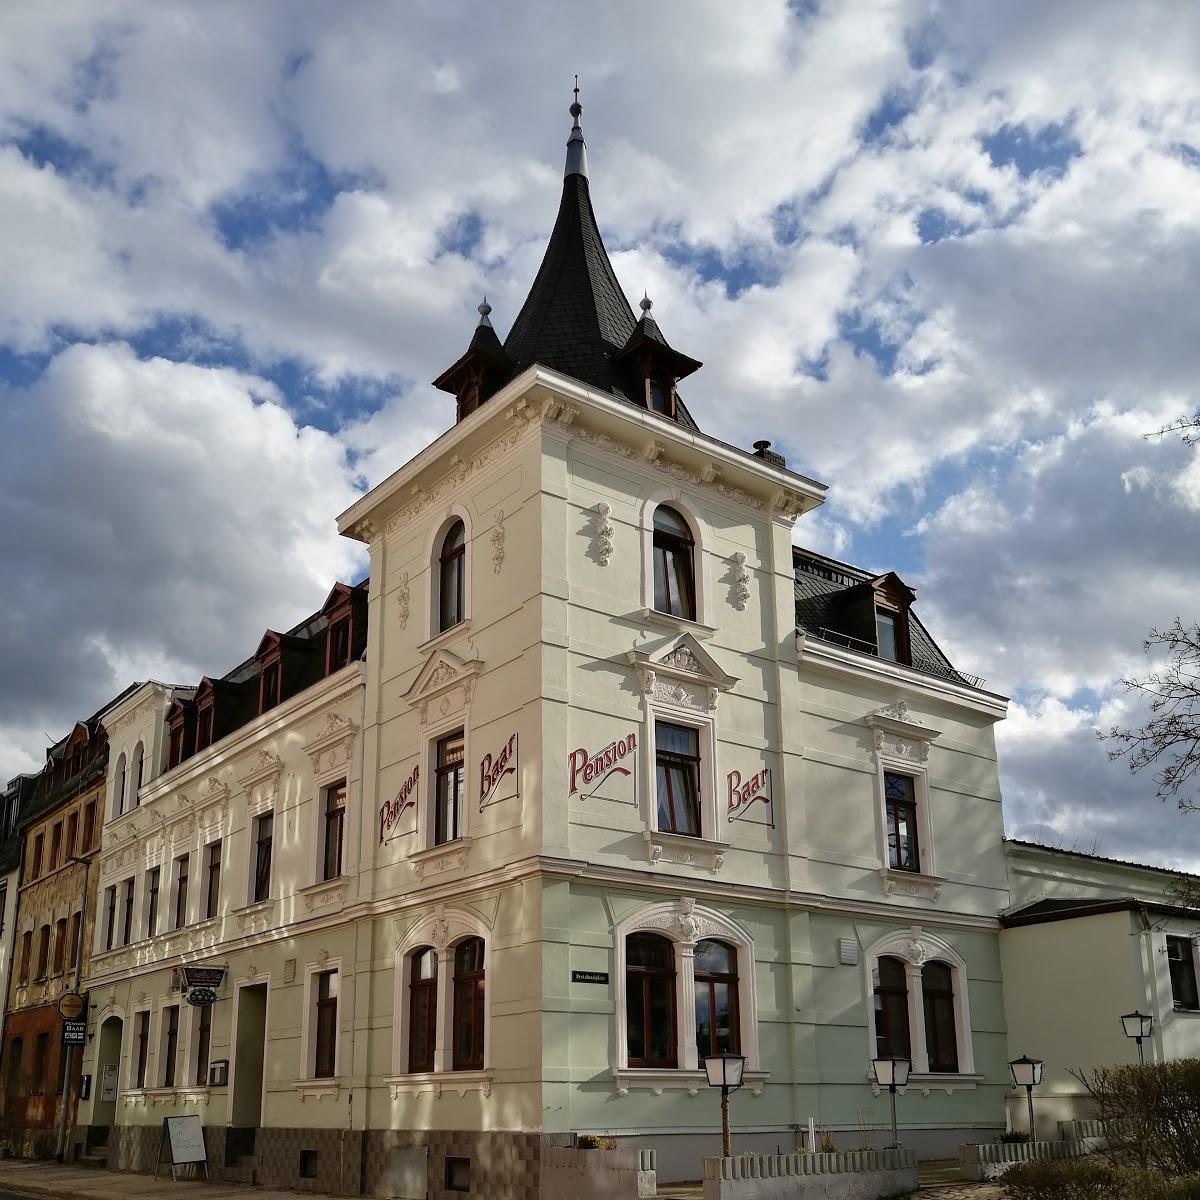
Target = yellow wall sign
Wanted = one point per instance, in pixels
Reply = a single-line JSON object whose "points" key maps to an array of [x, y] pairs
{"points": [[70, 1006]]}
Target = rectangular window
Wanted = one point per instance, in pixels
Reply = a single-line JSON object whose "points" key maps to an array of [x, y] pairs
{"points": [[72, 834], [204, 728], [55, 845], [89, 827], [448, 794], [175, 747], [268, 687], [127, 912], [885, 635], [333, 826], [26, 955], [41, 1060], [43, 959], [264, 829], [170, 1043], [900, 804], [339, 645], [3, 904], [60, 945], [35, 869], [325, 1058], [110, 916], [212, 893], [181, 890], [677, 754], [1182, 961], [203, 1042], [143, 1047], [75, 922], [152, 886]]}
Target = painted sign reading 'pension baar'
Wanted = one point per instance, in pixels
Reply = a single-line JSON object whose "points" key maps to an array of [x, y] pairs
{"points": [[592, 770], [393, 810]]}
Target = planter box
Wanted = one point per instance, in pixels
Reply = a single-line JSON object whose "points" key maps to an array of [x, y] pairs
{"points": [[992, 1159], [577, 1174], [857, 1175]]}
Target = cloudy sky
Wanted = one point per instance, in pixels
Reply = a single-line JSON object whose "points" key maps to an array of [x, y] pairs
{"points": [[947, 256]]}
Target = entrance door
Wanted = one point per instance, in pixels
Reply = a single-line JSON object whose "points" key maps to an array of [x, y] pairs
{"points": [[108, 1066], [248, 1053]]}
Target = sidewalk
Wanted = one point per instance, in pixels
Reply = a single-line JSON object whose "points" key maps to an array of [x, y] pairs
{"points": [[88, 1183]]}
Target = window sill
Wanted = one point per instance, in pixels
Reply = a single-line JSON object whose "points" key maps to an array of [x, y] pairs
{"points": [[659, 1080], [651, 616], [910, 883], [666, 847], [318, 1089], [928, 1082], [438, 1082], [192, 1095], [450, 856], [325, 893], [160, 1095], [447, 635], [254, 918]]}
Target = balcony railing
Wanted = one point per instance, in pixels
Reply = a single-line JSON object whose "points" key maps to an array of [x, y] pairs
{"points": [[864, 647]]}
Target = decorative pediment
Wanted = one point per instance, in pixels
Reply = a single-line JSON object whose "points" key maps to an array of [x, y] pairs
{"points": [[898, 735], [443, 685], [684, 675]]}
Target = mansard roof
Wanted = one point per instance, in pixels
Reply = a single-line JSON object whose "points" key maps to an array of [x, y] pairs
{"points": [[835, 602]]}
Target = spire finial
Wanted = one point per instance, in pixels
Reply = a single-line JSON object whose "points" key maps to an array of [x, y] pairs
{"points": [[646, 304], [576, 152], [485, 311]]}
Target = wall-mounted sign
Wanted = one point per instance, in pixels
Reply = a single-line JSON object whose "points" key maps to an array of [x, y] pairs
{"points": [[108, 1083], [203, 977], [602, 773], [393, 810], [494, 772], [218, 1072], [201, 996], [750, 798], [590, 977], [74, 1033], [70, 1006]]}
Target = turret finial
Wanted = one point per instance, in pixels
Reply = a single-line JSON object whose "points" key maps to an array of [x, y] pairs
{"points": [[646, 304], [485, 311], [576, 151]]}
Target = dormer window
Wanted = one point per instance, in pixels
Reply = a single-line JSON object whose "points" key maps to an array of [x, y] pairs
{"points": [[338, 648], [175, 746], [660, 397], [885, 634], [674, 564], [268, 687], [204, 727]]}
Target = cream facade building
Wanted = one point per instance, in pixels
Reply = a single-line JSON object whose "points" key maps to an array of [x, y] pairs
{"points": [[618, 777]]}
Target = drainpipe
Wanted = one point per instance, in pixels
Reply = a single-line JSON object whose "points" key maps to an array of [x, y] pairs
{"points": [[1150, 982], [60, 1145]]}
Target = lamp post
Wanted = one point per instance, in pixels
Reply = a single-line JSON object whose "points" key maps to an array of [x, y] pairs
{"points": [[1027, 1072], [891, 1073], [1137, 1025], [60, 1145], [725, 1071]]}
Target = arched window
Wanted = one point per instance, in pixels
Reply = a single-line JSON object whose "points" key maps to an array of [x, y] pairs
{"points": [[717, 1023], [422, 1008], [674, 564], [650, 1000], [119, 788], [891, 1010], [139, 768], [468, 1005], [941, 1037], [451, 576]]}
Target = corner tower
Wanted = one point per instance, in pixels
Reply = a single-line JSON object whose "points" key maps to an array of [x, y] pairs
{"points": [[576, 318]]}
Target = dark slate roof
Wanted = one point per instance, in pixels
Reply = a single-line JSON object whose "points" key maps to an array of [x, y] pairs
{"points": [[1042, 912], [827, 592], [576, 318]]}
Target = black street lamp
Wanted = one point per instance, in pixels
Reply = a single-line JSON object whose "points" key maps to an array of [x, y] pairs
{"points": [[892, 1073], [725, 1071], [1027, 1072], [1137, 1025]]}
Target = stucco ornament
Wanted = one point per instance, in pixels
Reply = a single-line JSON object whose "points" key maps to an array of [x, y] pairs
{"points": [[440, 933], [897, 711], [682, 659], [402, 600], [741, 582], [918, 952], [605, 533], [498, 542]]}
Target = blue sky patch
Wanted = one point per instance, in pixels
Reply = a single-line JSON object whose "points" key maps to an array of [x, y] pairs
{"points": [[1049, 148]]}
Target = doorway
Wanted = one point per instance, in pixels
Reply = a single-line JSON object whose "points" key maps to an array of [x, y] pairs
{"points": [[108, 1067], [249, 1052]]}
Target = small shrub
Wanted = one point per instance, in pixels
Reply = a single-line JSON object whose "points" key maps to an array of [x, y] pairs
{"points": [[1094, 1179], [1014, 1137], [594, 1141]]}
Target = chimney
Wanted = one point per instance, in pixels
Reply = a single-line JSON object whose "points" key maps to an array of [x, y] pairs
{"points": [[762, 449]]}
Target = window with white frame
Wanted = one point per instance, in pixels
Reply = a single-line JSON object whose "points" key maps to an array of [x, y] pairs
{"points": [[905, 828], [169, 1033], [451, 577], [260, 856], [1181, 960], [324, 989], [141, 1047], [677, 776], [918, 1003], [674, 558], [685, 990], [179, 891], [153, 887], [449, 788], [332, 828], [900, 817]]}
